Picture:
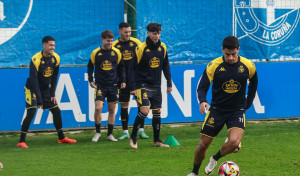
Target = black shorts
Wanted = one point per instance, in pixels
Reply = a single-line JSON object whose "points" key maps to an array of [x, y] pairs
{"points": [[124, 95], [111, 93], [215, 120], [31, 101], [147, 97]]}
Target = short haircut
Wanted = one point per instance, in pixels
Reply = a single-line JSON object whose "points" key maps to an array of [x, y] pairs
{"points": [[124, 25], [231, 42], [107, 34], [154, 27], [46, 39]]}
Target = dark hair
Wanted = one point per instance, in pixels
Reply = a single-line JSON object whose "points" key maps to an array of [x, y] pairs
{"points": [[124, 25], [231, 42], [107, 34], [154, 27], [46, 39]]}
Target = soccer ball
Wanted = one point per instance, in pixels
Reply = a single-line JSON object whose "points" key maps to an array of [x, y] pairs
{"points": [[238, 148], [1, 166], [228, 168]]}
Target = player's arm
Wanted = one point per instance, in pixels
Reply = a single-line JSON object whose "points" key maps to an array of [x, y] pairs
{"points": [[131, 72], [90, 73], [54, 77], [252, 87], [202, 89], [167, 73], [35, 88], [122, 73]]}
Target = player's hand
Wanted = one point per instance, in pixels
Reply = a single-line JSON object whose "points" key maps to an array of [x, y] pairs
{"points": [[54, 100], [169, 90], [203, 107], [123, 85], [40, 106], [133, 92], [92, 84]]}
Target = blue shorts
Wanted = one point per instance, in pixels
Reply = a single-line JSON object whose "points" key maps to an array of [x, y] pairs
{"points": [[147, 97], [31, 101], [215, 120], [111, 93], [124, 95]]}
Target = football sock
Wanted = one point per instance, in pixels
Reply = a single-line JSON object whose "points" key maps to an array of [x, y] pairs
{"points": [[156, 120], [26, 123], [110, 129], [57, 122], [139, 118], [217, 156], [98, 127], [196, 168], [142, 124], [124, 118]]}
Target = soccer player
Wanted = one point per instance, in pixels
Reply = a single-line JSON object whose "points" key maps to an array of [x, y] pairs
{"points": [[40, 89], [229, 75], [151, 59], [127, 46], [109, 69]]}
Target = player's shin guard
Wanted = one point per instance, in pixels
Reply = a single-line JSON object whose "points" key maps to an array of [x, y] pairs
{"points": [[57, 122], [124, 118], [26, 123], [138, 120], [156, 120]]}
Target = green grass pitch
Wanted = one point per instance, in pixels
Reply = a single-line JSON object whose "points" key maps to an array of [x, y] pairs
{"points": [[268, 149]]}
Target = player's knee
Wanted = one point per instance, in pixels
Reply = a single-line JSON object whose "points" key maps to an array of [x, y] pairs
{"points": [[111, 110], [124, 105], [144, 110], [98, 109], [234, 142], [203, 145]]}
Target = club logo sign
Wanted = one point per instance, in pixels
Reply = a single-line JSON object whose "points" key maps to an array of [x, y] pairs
{"points": [[12, 21], [268, 22]]}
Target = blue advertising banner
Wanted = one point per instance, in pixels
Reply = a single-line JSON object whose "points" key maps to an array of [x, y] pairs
{"points": [[76, 26], [194, 30], [276, 97]]}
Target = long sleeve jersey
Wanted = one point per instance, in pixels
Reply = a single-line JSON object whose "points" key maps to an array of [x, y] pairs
{"points": [[127, 50], [229, 84], [109, 67], [43, 74], [148, 65]]}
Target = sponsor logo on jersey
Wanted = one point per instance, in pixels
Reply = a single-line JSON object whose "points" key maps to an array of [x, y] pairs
{"points": [[48, 72], [119, 46], [53, 60], [231, 86], [147, 50], [100, 54], [43, 62], [106, 65], [131, 44], [269, 22], [154, 62], [159, 48], [222, 69], [127, 55], [99, 93]]}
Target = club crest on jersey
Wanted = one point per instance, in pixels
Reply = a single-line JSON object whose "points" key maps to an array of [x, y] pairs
{"points": [[127, 55], [231, 86], [13, 19], [131, 44], [106, 65], [118, 46], [154, 62], [33, 96], [48, 72], [53, 60], [113, 53], [269, 22], [159, 48], [99, 93], [241, 69]]}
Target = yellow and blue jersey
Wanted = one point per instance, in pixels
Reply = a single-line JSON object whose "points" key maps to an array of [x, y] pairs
{"points": [[149, 64], [43, 74], [229, 84], [127, 50], [108, 65]]}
